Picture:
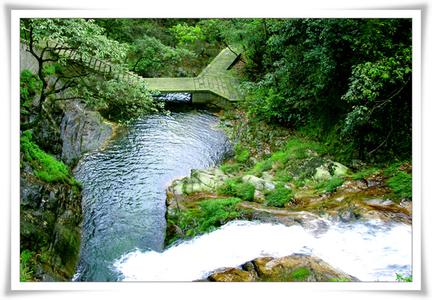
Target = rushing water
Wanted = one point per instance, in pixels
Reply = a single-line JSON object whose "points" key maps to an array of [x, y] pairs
{"points": [[124, 185], [370, 251]]}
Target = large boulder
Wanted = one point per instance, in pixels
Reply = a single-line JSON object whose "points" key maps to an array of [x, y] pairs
{"points": [[199, 181], [82, 131], [260, 184], [232, 275], [295, 267], [329, 169]]}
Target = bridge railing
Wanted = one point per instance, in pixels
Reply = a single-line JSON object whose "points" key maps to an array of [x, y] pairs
{"points": [[115, 71]]}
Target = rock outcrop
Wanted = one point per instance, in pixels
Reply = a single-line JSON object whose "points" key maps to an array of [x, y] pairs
{"points": [[82, 131], [295, 267], [50, 221]]}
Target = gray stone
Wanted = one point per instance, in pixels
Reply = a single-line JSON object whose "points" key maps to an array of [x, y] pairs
{"points": [[329, 169], [82, 131], [382, 202], [259, 183]]}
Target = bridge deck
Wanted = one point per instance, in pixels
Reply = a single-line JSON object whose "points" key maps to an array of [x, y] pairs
{"points": [[215, 78]]}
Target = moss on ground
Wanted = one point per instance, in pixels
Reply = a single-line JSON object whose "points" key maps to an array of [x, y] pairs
{"points": [[46, 167], [206, 216], [236, 188], [279, 197]]}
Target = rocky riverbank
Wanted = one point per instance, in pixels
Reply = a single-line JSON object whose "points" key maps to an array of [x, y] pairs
{"points": [[295, 182], [291, 268], [50, 197]]}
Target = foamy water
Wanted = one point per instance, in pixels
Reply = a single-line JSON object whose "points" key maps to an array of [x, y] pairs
{"points": [[370, 251]]}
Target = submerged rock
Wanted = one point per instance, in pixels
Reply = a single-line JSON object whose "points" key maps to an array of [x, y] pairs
{"points": [[295, 267]]}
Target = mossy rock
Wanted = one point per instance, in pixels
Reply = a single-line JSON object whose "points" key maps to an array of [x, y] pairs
{"points": [[295, 267]]}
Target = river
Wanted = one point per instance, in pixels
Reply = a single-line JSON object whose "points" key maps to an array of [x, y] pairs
{"points": [[124, 185]]}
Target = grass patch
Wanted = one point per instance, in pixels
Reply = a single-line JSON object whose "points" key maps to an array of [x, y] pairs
{"points": [[209, 215], [401, 184], [399, 181], [283, 175], [26, 266], [279, 196], [402, 278], [261, 167], [365, 173], [241, 154], [281, 156], [45, 166], [300, 274], [229, 168], [329, 186], [298, 148], [236, 188]]}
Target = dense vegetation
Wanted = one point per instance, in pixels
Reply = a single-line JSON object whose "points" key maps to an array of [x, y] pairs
{"points": [[345, 81]]}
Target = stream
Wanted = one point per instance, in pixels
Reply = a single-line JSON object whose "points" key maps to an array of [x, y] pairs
{"points": [[124, 214], [124, 185]]}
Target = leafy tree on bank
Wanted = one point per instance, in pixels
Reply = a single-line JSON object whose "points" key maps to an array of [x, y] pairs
{"points": [[63, 79], [166, 47], [348, 78]]}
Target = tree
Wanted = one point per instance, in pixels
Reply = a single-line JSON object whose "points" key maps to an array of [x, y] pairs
{"points": [[63, 78], [348, 75]]}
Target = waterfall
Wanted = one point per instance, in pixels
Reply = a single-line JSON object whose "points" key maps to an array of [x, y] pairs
{"points": [[370, 251]]}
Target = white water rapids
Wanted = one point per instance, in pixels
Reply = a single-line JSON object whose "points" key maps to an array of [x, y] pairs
{"points": [[370, 251]]}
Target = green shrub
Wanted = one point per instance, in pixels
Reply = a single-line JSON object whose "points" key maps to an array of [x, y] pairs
{"points": [[30, 84], [280, 156], [402, 278], [26, 265], [279, 196], [329, 186], [394, 168], [300, 182], [238, 189], [45, 166], [401, 184], [242, 156], [398, 180], [262, 166], [298, 148], [229, 168], [365, 173], [283, 175]]}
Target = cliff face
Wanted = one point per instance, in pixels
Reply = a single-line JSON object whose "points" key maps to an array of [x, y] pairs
{"points": [[50, 219], [50, 204]]}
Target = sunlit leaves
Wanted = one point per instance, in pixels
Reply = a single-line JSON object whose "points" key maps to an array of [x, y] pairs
{"points": [[80, 34]]}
